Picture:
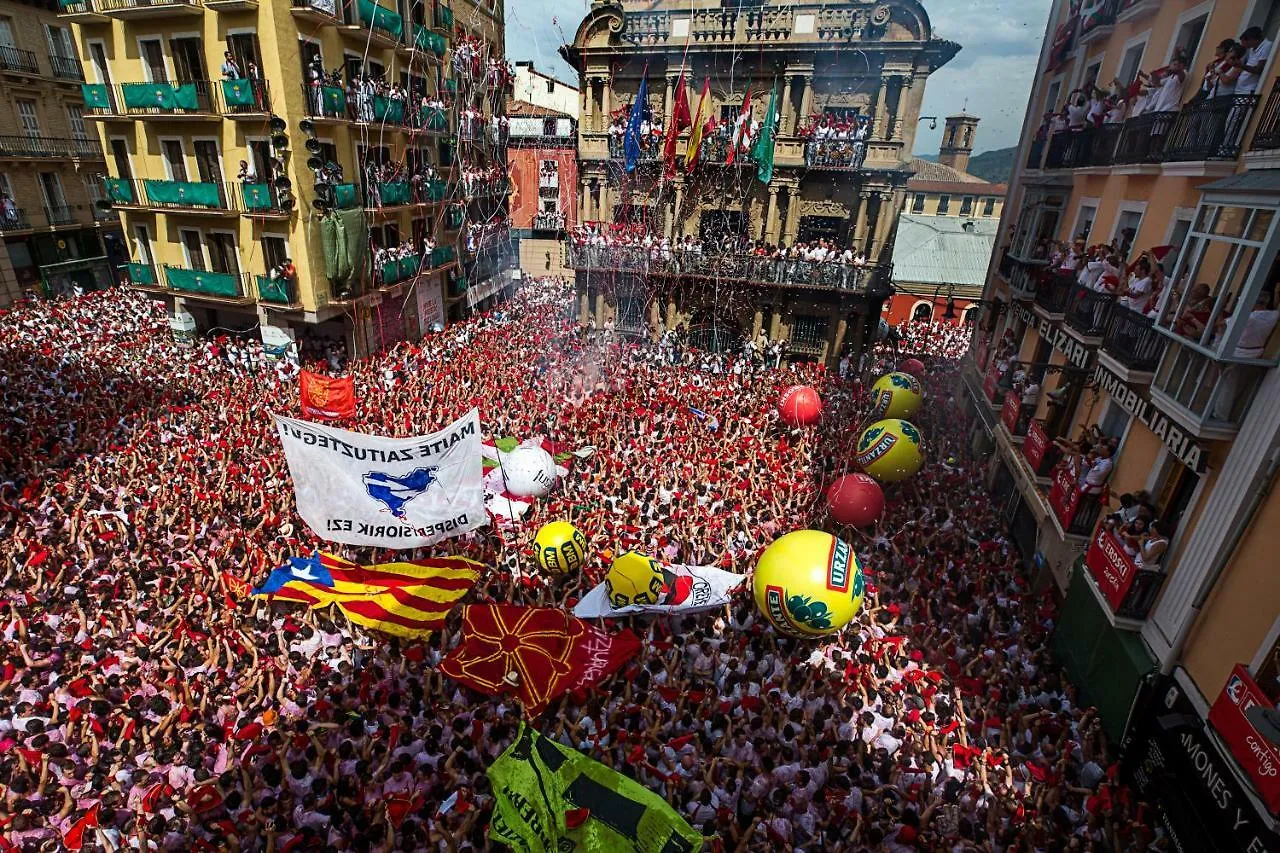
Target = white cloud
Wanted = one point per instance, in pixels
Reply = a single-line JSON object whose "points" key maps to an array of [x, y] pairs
{"points": [[1000, 42]]}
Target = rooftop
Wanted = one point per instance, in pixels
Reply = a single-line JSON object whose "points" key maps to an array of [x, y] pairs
{"points": [[927, 170], [524, 109], [940, 250]]}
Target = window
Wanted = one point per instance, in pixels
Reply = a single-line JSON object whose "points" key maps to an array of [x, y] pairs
{"points": [[1131, 63], [6, 33], [1084, 222], [966, 206], [923, 313], [51, 189], [917, 205], [192, 248], [275, 251], [549, 127], [153, 60], [944, 204], [808, 333], [75, 120], [142, 245], [174, 159], [1126, 230], [1177, 238], [551, 87], [1091, 74], [989, 207], [1187, 42], [1051, 97], [60, 44], [28, 117], [120, 155]]}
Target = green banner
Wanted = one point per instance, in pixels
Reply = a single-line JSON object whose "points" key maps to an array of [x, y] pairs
{"points": [[441, 255], [239, 93], [424, 39], [436, 190], [185, 193], [203, 281], [140, 273], [537, 782], [256, 196], [390, 272], [161, 96], [388, 109], [434, 119], [119, 190], [273, 289], [396, 192], [444, 18], [96, 96], [451, 85], [333, 101], [345, 196], [381, 18], [409, 267]]}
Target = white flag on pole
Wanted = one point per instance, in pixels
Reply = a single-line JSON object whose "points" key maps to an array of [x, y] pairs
{"points": [[689, 589], [390, 492]]}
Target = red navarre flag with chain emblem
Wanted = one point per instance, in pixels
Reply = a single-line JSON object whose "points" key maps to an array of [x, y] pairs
{"points": [[535, 652], [327, 398]]}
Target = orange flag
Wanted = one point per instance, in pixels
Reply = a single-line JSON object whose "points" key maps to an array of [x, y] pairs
{"points": [[695, 138], [326, 398]]}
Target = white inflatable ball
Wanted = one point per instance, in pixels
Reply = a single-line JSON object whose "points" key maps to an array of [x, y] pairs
{"points": [[529, 472]]}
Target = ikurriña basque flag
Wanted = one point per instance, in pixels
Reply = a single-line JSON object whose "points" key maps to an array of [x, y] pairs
{"points": [[407, 598]]}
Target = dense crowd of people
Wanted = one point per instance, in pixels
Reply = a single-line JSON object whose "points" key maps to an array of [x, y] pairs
{"points": [[145, 702]]}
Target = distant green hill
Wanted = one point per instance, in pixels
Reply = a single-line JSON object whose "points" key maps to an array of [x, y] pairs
{"points": [[995, 166]]}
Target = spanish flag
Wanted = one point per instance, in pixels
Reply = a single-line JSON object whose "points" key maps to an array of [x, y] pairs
{"points": [[407, 599], [695, 136]]}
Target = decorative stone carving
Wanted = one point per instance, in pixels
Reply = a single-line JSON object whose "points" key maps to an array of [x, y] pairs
{"points": [[822, 207]]}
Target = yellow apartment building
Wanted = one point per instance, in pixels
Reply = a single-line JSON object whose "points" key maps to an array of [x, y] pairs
{"points": [[1171, 632], [272, 161], [53, 237]]}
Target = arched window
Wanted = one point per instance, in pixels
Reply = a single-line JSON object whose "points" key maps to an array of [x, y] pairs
{"points": [[923, 312]]}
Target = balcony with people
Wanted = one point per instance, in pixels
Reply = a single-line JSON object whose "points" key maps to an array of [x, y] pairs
{"points": [[176, 196], [1078, 482], [333, 96], [635, 248], [1220, 322], [1125, 559], [1147, 123]]}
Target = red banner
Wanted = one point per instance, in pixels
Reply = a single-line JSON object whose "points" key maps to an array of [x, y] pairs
{"points": [[1112, 568], [1009, 414], [327, 398], [538, 653], [1064, 496], [1259, 757], [1036, 445]]}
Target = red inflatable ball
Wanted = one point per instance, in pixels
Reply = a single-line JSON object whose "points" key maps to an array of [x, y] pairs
{"points": [[914, 366], [800, 406], [855, 500]]}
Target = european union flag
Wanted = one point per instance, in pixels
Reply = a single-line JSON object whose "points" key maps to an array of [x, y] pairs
{"points": [[631, 140], [307, 570]]}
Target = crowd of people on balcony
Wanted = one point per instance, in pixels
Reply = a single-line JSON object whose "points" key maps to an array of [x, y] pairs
{"points": [[231, 69], [651, 133], [1137, 286], [387, 255], [479, 180], [481, 234], [835, 140], [417, 174], [628, 238], [1141, 534]]}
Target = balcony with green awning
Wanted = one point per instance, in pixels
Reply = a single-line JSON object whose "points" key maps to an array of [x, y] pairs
{"points": [[243, 96], [326, 101], [441, 255], [273, 289], [399, 270], [184, 194], [346, 196], [434, 118], [97, 97], [380, 18], [203, 281], [163, 97], [394, 193], [120, 191], [140, 273], [436, 190], [390, 110], [424, 39], [258, 198]]}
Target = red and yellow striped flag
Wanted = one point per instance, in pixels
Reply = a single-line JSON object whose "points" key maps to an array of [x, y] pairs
{"points": [[410, 598]]}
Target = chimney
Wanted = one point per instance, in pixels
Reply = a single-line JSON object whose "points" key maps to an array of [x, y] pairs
{"points": [[957, 141]]}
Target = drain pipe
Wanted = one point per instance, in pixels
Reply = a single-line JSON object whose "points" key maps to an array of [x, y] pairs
{"points": [[1243, 522]]}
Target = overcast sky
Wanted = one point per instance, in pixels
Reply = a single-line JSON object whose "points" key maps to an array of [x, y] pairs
{"points": [[1000, 38]]}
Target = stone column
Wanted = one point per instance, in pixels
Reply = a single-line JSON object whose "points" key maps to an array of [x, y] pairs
{"points": [[757, 324], [668, 106], [842, 328], [599, 310], [588, 114], [793, 216], [770, 229], [655, 320], [605, 213], [806, 100], [678, 215], [775, 325], [884, 220], [879, 130], [606, 103], [584, 308], [671, 313], [669, 220], [860, 222], [788, 110], [900, 112]]}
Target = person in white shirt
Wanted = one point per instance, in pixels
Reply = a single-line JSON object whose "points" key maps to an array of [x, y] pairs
{"points": [[1168, 96], [1257, 51]]}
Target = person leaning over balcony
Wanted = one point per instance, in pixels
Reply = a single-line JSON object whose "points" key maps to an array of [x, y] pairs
{"points": [[1221, 73], [1097, 466], [1167, 97], [1257, 49], [1135, 291], [1151, 547]]}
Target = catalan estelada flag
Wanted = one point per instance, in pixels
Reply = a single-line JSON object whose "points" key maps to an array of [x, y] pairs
{"points": [[410, 598]]}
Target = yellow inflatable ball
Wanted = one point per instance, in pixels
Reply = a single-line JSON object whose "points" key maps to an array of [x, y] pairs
{"points": [[890, 450], [808, 583], [896, 395], [634, 579], [560, 547]]}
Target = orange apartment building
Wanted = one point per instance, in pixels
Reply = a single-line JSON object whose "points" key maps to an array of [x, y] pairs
{"points": [[1177, 649]]}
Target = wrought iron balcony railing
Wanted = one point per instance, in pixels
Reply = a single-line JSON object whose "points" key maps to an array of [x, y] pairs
{"points": [[825, 275], [66, 67], [16, 59], [1088, 310], [1267, 136], [1131, 339], [1053, 294], [59, 214], [49, 147], [548, 222], [14, 219]]}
